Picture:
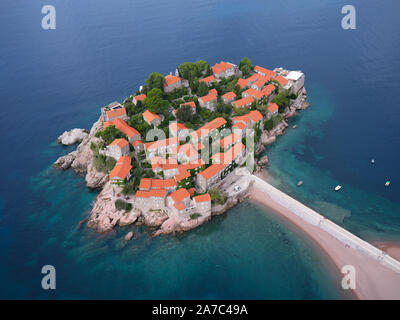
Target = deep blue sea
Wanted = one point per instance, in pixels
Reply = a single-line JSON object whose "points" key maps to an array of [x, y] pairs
{"points": [[102, 51]]}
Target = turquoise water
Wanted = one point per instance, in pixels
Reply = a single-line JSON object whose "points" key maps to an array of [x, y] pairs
{"points": [[298, 156], [102, 51]]}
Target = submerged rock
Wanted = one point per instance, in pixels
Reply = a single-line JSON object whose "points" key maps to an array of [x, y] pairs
{"points": [[128, 236], [71, 137], [263, 161]]}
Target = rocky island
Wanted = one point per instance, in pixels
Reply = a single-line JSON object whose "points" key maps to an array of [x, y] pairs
{"points": [[183, 147]]}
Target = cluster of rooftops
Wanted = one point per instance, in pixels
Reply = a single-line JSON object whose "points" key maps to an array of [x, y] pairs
{"points": [[184, 166]]}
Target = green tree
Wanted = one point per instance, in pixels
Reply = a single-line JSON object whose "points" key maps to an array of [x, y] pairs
{"points": [[109, 134], [245, 66], [184, 114], [202, 89], [155, 102], [155, 80], [282, 100], [190, 70], [217, 196]]}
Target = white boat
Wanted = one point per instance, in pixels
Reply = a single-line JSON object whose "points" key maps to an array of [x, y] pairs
{"points": [[338, 187], [373, 161], [299, 183], [387, 183]]}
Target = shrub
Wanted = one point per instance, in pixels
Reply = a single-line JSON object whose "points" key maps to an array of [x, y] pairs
{"points": [[217, 196], [195, 216], [122, 205]]}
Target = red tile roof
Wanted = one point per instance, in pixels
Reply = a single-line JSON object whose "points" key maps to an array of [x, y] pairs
{"points": [[208, 79], [162, 183], [208, 127], [179, 206], [272, 107], [140, 97], [255, 115], [156, 193], [121, 143], [145, 183], [268, 89], [161, 143], [211, 171], [209, 97], [281, 80], [136, 143], [202, 198], [111, 114], [239, 125], [253, 78], [254, 93], [121, 168], [242, 83], [228, 140], [243, 118], [183, 174], [122, 126], [213, 91], [222, 66], [175, 127], [150, 116], [264, 71], [243, 102], [170, 79], [261, 81], [179, 195], [229, 95]]}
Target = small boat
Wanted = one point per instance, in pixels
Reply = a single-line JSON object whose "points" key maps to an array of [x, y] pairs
{"points": [[387, 183], [338, 187], [373, 161], [295, 126], [299, 183]]}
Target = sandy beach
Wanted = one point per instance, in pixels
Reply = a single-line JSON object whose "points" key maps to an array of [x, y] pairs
{"points": [[390, 248], [373, 280]]}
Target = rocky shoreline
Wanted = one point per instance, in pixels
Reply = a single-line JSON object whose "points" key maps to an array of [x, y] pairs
{"points": [[104, 217]]}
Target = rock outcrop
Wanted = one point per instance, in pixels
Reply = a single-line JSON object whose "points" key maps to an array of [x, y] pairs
{"points": [[263, 161], [95, 179], [73, 136], [65, 161], [104, 216], [154, 218], [81, 159]]}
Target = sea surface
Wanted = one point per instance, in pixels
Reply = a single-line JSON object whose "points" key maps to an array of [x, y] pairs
{"points": [[102, 51]]}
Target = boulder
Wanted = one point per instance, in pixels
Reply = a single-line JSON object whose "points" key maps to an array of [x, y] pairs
{"points": [[71, 137], [263, 161], [128, 236], [66, 161], [129, 218]]}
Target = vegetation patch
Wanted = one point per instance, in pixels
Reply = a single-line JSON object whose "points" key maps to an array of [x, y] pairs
{"points": [[122, 205]]}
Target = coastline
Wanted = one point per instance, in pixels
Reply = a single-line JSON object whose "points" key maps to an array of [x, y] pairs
{"points": [[373, 280]]}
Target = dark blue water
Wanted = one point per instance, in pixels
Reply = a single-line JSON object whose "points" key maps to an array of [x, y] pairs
{"points": [[102, 51]]}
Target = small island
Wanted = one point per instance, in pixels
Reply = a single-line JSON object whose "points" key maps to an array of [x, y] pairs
{"points": [[183, 147]]}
